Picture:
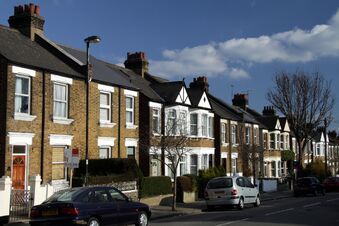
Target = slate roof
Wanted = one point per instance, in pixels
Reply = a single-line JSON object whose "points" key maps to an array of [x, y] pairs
{"points": [[21, 50], [195, 95], [168, 90], [269, 121], [223, 109], [103, 71]]}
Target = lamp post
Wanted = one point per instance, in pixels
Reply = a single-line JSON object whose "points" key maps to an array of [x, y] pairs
{"points": [[88, 41]]}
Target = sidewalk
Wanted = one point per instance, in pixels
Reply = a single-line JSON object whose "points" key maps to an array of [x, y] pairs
{"points": [[160, 212]]}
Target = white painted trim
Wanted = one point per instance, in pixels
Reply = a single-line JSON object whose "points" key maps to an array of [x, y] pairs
{"points": [[200, 150], [64, 121], [154, 105], [58, 78], [106, 88], [24, 117], [59, 139], [234, 123], [23, 71], [130, 93], [106, 141], [131, 142], [106, 124], [204, 104], [234, 155], [224, 155], [255, 126], [264, 131], [20, 138], [224, 121]]}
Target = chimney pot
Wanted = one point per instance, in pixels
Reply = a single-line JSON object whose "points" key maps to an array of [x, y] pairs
{"points": [[26, 8], [31, 8], [37, 10]]}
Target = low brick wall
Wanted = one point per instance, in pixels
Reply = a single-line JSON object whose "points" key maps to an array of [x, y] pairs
{"points": [[160, 200]]}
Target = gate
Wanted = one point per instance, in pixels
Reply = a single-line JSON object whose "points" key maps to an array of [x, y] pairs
{"points": [[20, 206]]}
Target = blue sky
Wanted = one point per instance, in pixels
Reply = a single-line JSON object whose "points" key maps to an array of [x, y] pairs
{"points": [[238, 44]]}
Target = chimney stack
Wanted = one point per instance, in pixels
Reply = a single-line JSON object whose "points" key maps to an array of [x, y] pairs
{"points": [[27, 20], [200, 82], [240, 100], [269, 111], [137, 62]]}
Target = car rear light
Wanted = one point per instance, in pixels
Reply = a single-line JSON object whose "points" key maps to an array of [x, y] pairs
{"points": [[206, 194], [69, 210], [35, 213], [234, 192]]}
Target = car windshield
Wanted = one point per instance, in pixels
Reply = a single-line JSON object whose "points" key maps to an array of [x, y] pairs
{"points": [[63, 196], [220, 183]]}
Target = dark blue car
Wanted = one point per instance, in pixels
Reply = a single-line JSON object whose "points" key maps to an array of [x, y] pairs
{"points": [[91, 206]]}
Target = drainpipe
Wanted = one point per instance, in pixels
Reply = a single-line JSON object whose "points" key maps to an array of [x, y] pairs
{"points": [[119, 120], [43, 112]]}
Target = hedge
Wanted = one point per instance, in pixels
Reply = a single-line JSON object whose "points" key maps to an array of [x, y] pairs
{"points": [[153, 186], [106, 167]]}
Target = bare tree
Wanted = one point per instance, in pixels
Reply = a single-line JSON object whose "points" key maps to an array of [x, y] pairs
{"points": [[171, 146], [306, 100]]}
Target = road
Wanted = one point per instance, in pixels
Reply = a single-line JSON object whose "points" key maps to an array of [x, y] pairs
{"points": [[301, 211]]}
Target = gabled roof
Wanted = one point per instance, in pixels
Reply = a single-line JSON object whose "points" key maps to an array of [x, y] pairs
{"points": [[21, 50], [269, 121], [284, 124], [199, 98], [168, 91]]}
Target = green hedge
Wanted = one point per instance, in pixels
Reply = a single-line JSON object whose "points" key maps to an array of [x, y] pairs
{"points": [[206, 175], [106, 167], [153, 186], [105, 171]]}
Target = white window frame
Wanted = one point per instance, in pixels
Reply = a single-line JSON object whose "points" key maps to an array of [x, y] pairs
{"points": [[204, 161], [106, 107], [173, 118], [234, 134], [156, 117], [109, 152], [282, 141], [247, 134], [210, 126], [196, 167], [272, 141], [60, 101], [23, 95], [194, 125], [130, 110], [134, 150], [204, 125], [223, 133]]}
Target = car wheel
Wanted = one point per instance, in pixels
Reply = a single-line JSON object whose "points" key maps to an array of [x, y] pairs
{"points": [[257, 201], [241, 203], [93, 222], [210, 207], [142, 219]]}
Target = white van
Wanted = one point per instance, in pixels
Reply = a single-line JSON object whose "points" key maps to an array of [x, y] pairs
{"points": [[235, 191]]}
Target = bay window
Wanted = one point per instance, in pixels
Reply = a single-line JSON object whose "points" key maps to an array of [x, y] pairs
{"points": [[156, 120], [194, 124], [204, 125], [223, 133]]}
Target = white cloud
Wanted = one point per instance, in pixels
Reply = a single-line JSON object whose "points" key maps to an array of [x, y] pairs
{"points": [[223, 58]]}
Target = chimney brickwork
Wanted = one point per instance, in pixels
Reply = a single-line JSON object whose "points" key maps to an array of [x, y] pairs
{"points": [[137, 62], [240, 100], [27, 20], [269, 111], [200, 82]]}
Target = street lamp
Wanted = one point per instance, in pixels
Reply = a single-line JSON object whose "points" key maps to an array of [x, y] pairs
{"points": [[88, 40]]}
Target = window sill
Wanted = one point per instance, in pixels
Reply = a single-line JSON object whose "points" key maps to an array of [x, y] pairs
{"points": [[235, 145], [24, 117], [64, 121], [129, 126], [106, 124], [225, 144]]}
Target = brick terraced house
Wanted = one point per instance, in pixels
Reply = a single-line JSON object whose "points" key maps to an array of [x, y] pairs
{"points": [[43, 104]]}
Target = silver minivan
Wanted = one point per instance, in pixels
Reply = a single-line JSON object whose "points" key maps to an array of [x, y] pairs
{"points": [[235, 191]]}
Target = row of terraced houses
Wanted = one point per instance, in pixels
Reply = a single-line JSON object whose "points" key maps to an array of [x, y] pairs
{"points": [[43, 111]]}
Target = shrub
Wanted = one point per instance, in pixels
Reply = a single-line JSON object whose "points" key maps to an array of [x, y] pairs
{"points": [[153, 186], [106, 167], [194, 181]]}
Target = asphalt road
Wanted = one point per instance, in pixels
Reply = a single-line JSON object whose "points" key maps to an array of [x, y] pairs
{"points": [[301, 211]]}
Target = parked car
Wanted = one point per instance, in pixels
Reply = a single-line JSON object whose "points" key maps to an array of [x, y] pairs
{"points": [[308, 185], [331, 184], [234, 191], [91, 206]]}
